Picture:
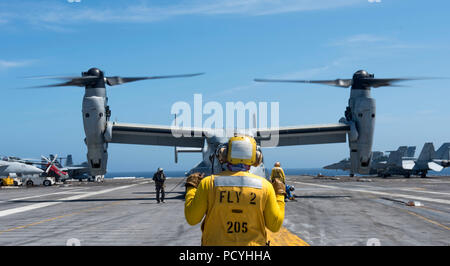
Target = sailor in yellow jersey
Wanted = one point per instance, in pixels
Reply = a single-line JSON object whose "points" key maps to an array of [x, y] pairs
{"points": [[277, 172], [238, 205]]}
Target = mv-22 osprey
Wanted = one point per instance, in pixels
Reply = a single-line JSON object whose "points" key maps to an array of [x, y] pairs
{"points": [[358, 124]]}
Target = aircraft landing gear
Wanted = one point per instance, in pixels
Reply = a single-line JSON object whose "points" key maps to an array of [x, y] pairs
{"points": [[423, 174]]}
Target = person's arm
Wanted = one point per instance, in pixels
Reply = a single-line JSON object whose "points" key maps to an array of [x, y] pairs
{"points": [[283, 175], [196, 202], [274, 210]]}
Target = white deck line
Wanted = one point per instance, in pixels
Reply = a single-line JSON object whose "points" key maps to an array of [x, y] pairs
{"points": [[47, 204]]}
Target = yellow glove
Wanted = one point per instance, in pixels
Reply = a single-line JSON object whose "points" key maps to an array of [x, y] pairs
{"points": [[194, 179], [279, 187]]}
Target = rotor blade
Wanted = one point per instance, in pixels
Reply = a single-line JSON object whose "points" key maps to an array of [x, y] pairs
{"points": [[45, 158], [344, 83], [48, 168], [51, 163], [376, 83], [71, 81], [54, 158], [116, 80], [52, 77]]}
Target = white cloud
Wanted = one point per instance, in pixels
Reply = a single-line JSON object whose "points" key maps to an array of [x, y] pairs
{"points": [[359, 39], [4, 64], [372, 41], [144, 11]]}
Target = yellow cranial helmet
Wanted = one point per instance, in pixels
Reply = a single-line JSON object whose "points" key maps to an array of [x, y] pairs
{"points": [[241, 150]]}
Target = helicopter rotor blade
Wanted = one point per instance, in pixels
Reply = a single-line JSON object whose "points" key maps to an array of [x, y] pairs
{"points": [[111, 81], [54, 158], [376, 83], [116, 80], [344, 83], [49, 164], [71, 81]]}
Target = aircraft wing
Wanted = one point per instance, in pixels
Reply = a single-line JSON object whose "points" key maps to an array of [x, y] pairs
{"points": [[435, 167], [283, 136], [155, 135], [3, 167], [408, 164], [303, 135]]}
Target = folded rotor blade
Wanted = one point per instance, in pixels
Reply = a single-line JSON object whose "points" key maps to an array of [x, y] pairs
{"points": [[54, 158], [45, 158]]}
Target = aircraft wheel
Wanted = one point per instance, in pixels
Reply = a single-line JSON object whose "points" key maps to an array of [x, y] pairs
{"points": [[29, 183], [423, 175], [407, 175], [47, 183]]}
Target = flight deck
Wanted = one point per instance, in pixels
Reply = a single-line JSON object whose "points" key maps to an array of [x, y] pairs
{"points": [[327, 211]]}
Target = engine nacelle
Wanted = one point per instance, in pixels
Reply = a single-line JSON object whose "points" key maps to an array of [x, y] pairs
{"points": [[361, 113], [95, 121]]}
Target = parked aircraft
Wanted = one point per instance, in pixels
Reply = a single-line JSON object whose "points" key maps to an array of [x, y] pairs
{"points": [[358, 124], [402, 161]]}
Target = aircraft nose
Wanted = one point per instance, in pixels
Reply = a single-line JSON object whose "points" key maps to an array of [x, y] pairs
{"points": [[34, 169]]}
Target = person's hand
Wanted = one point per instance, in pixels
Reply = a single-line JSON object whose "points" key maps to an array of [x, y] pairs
{"points": [[194, 179], [279, 187]]}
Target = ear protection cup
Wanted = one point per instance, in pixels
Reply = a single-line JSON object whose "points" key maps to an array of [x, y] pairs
{"points": [[222, 154], [259, 158]]}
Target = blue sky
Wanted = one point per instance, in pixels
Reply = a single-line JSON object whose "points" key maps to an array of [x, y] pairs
{"points": [[233, 42]]}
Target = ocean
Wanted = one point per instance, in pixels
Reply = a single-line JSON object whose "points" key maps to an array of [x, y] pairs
{"points": [[288, 171]]}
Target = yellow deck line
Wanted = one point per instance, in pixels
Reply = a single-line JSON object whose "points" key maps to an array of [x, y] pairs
{"points": [[428, 220], [284, 238]]}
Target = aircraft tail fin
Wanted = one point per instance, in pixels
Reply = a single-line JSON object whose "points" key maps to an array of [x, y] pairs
{"points": [[443, 153], [395, 157], [411, 151], [69, 161], [377, 155], [427, 153]]}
